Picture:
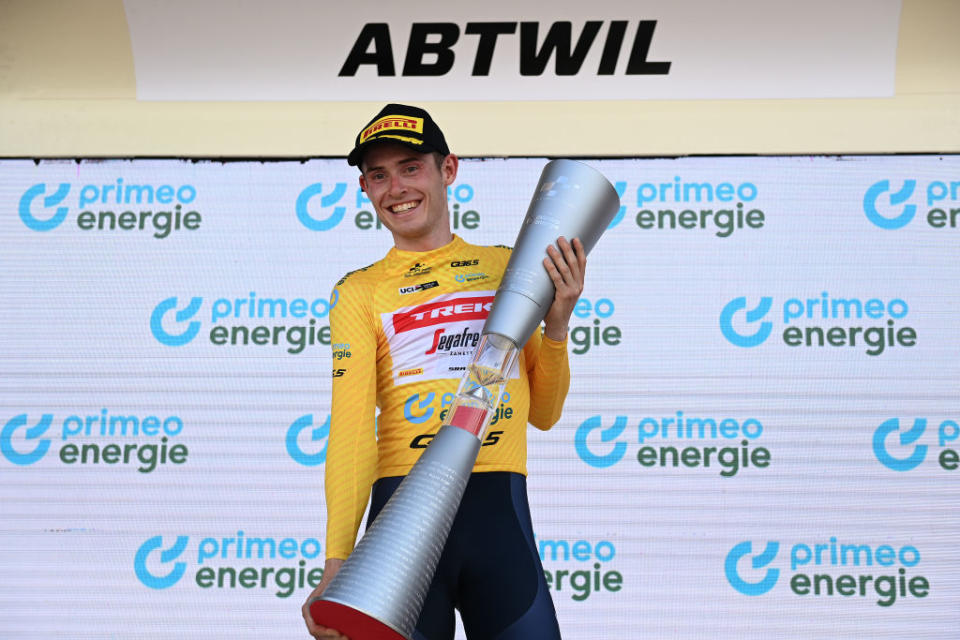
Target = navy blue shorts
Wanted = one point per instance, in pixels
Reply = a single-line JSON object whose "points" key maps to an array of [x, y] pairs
{"points": [[489, 569]]}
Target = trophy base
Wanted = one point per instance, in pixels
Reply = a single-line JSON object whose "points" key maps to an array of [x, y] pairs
{"points": [[352, 623]]}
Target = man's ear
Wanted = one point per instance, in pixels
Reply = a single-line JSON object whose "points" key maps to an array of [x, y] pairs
{"points": [[448, 168]]}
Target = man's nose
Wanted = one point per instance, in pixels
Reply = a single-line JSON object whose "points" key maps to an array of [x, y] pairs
{"points": [[396, 185]]}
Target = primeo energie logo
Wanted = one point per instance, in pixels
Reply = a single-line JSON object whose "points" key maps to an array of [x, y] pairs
{"points": [[580, 566], [891, 207], [247, 562], [277, 321], [107, 207], [828, 568], [303, 433], [144, 443], [822, 321], [321, 207], [671, 441], [719, 207], [899, 447]]}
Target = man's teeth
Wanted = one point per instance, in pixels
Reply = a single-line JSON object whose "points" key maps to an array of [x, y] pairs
{"points": [[400, 208]]}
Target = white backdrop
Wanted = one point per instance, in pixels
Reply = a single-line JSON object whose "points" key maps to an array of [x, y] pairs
{"points": [[162, 476]]}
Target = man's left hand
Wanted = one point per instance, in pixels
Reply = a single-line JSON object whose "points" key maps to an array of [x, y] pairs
{"points": [[566, 268]]}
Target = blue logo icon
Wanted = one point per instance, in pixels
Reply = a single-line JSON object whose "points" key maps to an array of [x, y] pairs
{"points": [[424, 403], [328, 200], [906, 438], [758, 312], [873, 194], [606, 435], [56, 198], [179, 339], [763, 585], [32, 433], [316, 435], [621, 187], [166, 555]]}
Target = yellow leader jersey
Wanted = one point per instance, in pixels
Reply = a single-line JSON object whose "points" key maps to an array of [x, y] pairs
{"points": [[403, 331]]}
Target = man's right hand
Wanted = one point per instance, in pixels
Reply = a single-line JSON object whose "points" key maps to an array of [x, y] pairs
{"points": [[330, 569]]}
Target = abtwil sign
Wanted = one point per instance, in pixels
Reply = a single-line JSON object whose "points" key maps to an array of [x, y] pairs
{"points": [[607, 49]]}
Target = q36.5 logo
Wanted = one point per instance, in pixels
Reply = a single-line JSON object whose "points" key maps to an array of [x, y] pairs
{"points": [[746, 586], [168, 579], [754, 315]]}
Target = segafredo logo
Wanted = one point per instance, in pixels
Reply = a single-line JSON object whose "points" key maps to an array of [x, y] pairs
{"points": [[145, 443], [728, 445], [901, 447], [161, 209], [278, 564], [304, 440], [285, 322], [820, 322], [825, 568], [893, 205], [323, 206]]}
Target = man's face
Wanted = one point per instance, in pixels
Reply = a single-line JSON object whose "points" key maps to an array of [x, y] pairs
{"points": [[409, 193]]}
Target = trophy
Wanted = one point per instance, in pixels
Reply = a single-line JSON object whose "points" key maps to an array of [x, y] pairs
{"points": [[380, 589]]}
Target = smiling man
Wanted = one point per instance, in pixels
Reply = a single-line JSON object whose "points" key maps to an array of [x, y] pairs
{"points": [[409, 323]]}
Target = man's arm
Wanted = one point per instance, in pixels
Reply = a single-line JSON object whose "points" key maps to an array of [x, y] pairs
{"points": [[548, 366]]}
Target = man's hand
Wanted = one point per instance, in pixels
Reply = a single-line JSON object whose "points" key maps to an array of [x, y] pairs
{"points": [[566, 268], [330, 569]]}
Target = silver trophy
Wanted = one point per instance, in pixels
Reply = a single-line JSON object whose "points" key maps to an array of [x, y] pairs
{"points": [[380, 589]]}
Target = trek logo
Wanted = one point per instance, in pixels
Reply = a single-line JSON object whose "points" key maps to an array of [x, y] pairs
{"points": [[446, 342], [430, 48], [856, 563], [442, 312], [903, 453], [32, 439], [811, 311], [160, 567], [333, 214], [122, 200], [423, 286], [295, 441], [889, 209]]}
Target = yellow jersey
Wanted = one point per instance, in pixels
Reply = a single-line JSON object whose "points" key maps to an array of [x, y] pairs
{"points": [[402, 333]]}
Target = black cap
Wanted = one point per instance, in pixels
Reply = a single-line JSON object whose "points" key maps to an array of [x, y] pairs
{"points": [[410, 126]]}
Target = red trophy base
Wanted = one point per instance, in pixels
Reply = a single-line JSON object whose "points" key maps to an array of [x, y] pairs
{"points": [[350, 622]]}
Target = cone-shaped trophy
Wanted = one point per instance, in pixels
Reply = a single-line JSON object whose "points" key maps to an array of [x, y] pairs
{"points": [[380, 589]]}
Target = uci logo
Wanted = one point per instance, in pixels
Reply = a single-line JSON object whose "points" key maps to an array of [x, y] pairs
{"points": [[32, 433], [332, 198], [166, 555], [34, 192], [746, 587], [175, 339], [755, 314], [610, 458], [906, 214], [908, 437], [317, 434]]}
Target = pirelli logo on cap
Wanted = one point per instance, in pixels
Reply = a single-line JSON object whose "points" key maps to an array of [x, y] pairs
{"points": [[393, 123]]}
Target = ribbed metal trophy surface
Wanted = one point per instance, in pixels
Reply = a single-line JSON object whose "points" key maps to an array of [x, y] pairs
{"points": [[380, 589]]}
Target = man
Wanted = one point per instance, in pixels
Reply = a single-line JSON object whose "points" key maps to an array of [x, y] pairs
{"points": [[403, 330]]}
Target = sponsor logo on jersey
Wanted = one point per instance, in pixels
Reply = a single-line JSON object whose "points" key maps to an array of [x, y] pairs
{"points": [[423, 286]]}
